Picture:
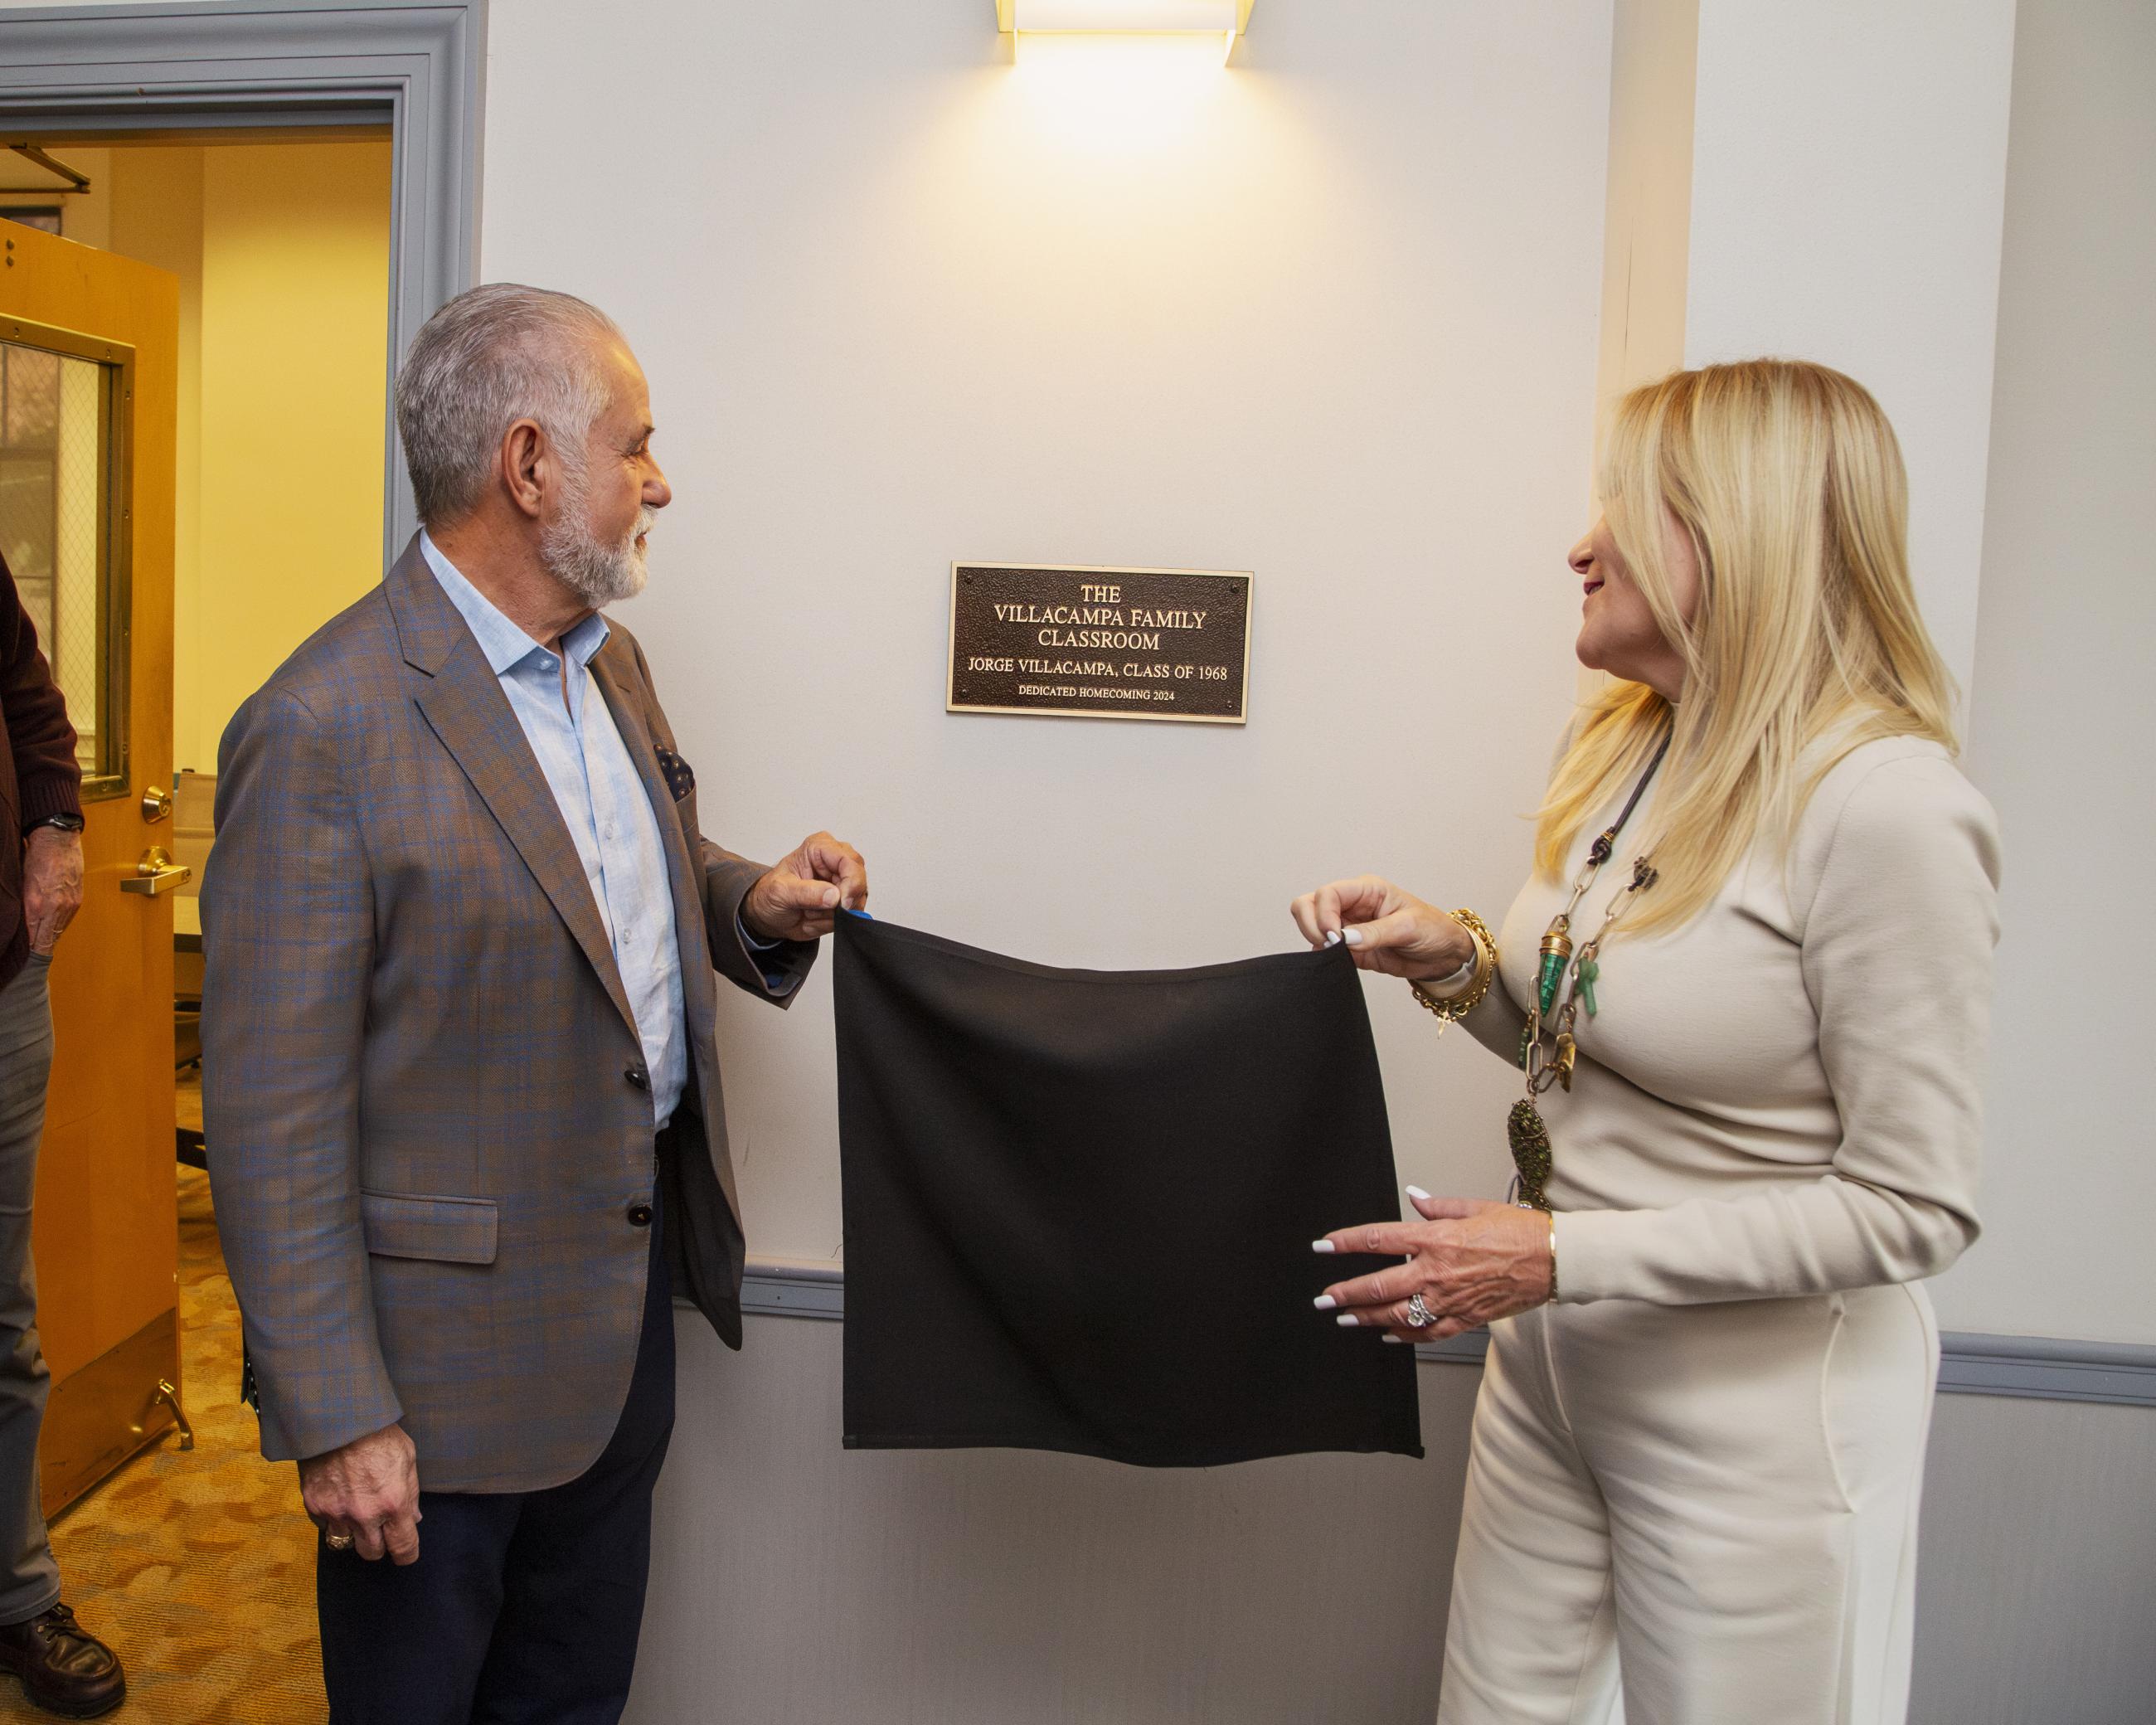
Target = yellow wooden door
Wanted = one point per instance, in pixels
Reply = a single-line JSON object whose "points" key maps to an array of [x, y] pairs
{"points": [[89, 386]]}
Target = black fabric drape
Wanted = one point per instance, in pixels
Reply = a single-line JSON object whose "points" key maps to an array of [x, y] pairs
{"points": [[1079, 1205]]}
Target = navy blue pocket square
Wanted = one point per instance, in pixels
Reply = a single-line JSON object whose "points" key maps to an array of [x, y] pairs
{"points": [[680, 779]]}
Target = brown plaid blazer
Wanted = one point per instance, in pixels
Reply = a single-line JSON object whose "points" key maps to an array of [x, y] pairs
{"points": [[423, 1093]]}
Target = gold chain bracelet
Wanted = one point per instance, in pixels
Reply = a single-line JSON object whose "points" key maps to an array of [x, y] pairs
{"points": [[1450, 1012]]}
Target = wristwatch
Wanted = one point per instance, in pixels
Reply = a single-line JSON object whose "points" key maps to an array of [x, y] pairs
{"points": [[63, 822]]}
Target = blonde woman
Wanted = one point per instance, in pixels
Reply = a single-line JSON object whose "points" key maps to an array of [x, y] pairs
{"points": [[1749, 981]]}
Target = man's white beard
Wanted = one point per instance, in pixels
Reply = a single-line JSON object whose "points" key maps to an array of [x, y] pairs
{"points": [[600, 575]]}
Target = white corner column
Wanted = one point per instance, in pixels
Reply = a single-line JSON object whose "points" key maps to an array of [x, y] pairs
{"points": [[1846, 196]]}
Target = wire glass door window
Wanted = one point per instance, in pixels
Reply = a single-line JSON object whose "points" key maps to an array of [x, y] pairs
{"points": [[63, 411]]}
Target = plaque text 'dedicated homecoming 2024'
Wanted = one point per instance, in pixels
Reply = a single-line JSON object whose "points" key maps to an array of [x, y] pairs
{"points": [[1102, 644]]}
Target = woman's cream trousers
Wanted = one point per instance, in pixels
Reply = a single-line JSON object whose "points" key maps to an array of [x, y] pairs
{"points": [[1710, 1510]]}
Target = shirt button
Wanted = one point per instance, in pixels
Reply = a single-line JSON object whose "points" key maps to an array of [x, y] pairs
{"points": [[637, 1076], [639, 1215]]}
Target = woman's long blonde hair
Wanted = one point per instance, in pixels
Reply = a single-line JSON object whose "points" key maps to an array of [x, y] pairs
{"points": [[1789, 481]]}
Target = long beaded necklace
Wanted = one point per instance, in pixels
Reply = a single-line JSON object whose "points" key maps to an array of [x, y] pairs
{"points": [[1543, 1066]]}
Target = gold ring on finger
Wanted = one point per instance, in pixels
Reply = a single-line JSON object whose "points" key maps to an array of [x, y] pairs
{"points": [[337, 1542]]}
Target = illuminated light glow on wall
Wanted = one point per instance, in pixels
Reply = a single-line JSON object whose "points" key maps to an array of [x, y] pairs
{"points": [[1121, 97], [1215, 20]]}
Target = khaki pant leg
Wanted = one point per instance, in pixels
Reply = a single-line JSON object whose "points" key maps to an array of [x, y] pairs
{"points": [[1530, 1639], [1761, 1462]]}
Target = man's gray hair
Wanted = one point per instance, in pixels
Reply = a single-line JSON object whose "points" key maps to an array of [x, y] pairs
{"points": [[492, 356]]}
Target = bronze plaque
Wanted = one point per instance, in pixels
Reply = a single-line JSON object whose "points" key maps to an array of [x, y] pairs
{"points": [[1101, 644]]}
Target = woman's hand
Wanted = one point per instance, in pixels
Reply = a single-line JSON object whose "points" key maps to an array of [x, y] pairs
{"points": [[1472, 1262], [1386, 929]]}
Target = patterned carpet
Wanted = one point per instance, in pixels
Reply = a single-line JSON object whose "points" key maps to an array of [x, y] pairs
{"points": [[199, 1567]]}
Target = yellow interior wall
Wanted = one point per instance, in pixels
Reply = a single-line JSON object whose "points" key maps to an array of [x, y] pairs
{"points": [[283, 255], [294, 334], [153, 208]]}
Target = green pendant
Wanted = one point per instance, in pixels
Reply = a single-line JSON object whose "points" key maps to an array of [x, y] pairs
{"points": [[1530, 1151], [1553, 974], [1527, 1042], [1556, 953], [1590, 972]]}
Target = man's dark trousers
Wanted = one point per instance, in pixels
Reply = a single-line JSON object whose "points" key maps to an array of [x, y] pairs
{"points": [[523, 1608]]}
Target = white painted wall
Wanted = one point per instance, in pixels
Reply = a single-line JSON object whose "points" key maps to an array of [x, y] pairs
{"points": [[2065, 706], [1849, 159], [1330, 317], [795, 1583]]}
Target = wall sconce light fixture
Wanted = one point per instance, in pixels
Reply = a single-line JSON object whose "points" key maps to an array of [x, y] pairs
{"points": [[1224, 19]]}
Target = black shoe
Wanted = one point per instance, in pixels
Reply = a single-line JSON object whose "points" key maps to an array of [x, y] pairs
{"points": [[64, 1669]]}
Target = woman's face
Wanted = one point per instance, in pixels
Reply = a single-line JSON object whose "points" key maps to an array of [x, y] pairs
{"points": [[1618, 632]]}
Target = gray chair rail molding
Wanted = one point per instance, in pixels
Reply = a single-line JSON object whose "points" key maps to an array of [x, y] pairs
{"points": [[2041, 1367]]}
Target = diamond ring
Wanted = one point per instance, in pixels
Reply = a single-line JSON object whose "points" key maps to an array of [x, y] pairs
{"points": [[1419, 1315]]}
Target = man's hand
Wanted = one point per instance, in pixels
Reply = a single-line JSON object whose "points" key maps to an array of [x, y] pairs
{"points": [[52, 886], [799, 899], [369, 1490]]}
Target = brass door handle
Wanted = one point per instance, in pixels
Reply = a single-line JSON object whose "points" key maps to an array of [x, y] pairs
{"points": [[156, 873], [156, 804]]}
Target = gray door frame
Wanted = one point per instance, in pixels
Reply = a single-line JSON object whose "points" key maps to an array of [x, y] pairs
{"points": [[222, 67]]}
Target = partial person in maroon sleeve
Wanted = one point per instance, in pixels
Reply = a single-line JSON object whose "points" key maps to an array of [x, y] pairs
{"points": [[63, 1669]]}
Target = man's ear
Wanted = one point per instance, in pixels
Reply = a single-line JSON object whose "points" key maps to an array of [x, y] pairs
{"points": [[524, 454]]}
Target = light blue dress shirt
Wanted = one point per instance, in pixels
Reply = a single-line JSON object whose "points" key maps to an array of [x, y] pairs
{"points": [[602, 803]]}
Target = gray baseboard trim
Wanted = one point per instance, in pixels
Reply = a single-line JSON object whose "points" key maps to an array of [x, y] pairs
{"points": [[2041, 1368], [2048, 1368], [794, 1290], [1467, 1350], [2044, 1367]]}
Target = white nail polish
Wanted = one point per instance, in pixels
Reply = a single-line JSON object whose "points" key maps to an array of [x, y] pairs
{"points": [[1322, 1245], [1353, 937], [1331, 937], [1347, 1321], [1417, 1193], [1325, 1302], [1389, 1336]]}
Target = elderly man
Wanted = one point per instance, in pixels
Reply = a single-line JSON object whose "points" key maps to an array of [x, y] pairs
{"points": [[461, 1097]]}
